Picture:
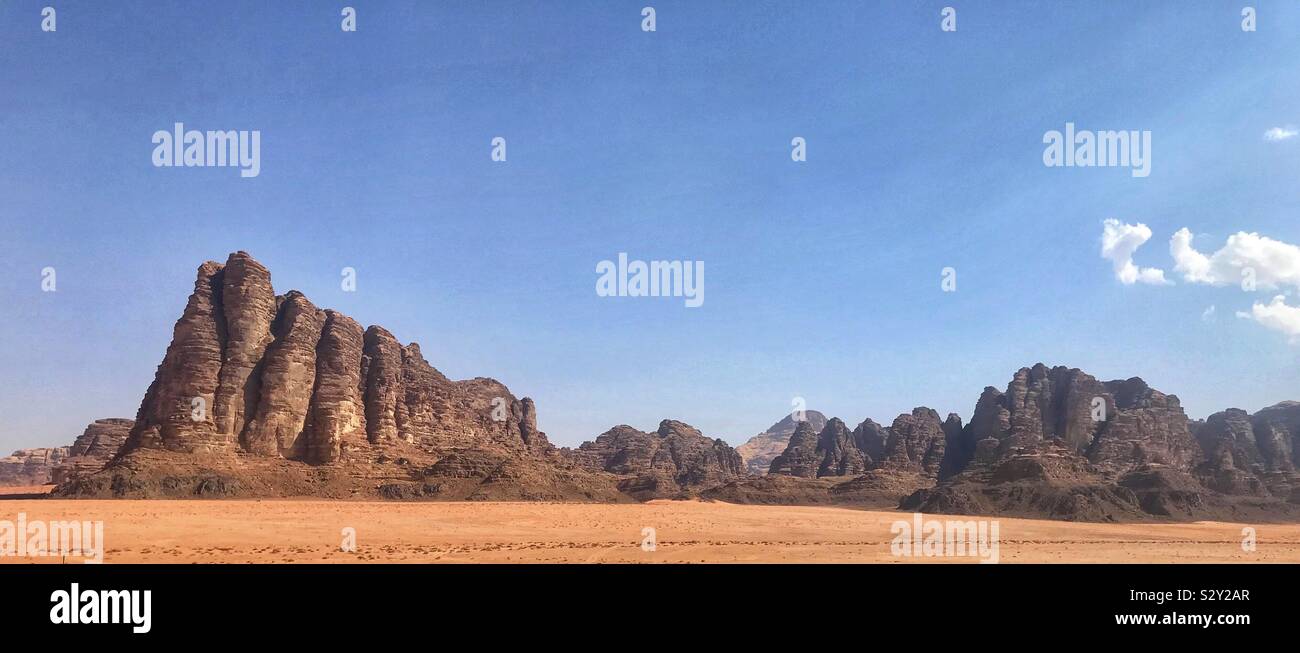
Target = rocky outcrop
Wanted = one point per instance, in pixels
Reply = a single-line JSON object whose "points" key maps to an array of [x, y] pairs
{"points": [[275, 376], [957, 452], [841, 453], [336, 425], [176, 413], [869, 465], [93, 449], [1143, 426], [31, 466], [382, 368], [800, 457], [916, 443], [675, 461], [288, 382], [871, 438], [833, 466], [1252, 454], [266, 395], [1042, 404], [1058, 443], [1277, 434], [760, 450], [834, 451], [248, 308], [102, 439], [254, 384], [1118, 425]]}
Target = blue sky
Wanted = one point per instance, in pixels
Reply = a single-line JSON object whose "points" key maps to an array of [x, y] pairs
{"points": [[822, 277]]}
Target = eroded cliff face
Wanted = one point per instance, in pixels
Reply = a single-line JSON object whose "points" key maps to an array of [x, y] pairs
{"points": [[1252, 454], [248, 308], [261, 394], [176, 413], [914, 443], [842, 454], [93, 449], [1118, 425], [801, 457], [676, 461], [760, 450], [253, 376], [253, 373], [29, 467], [1060, 443]]}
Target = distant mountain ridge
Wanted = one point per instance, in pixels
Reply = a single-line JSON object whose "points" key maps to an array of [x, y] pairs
{"points": [[759, 450], [266, 395], [30, 466]]}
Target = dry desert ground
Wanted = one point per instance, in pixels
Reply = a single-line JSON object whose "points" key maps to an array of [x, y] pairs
{"points": [[311, 531]]}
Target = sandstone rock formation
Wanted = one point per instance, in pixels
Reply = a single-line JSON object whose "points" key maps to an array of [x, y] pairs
{"points": [[30, 466], [914, 443], [1059, 443], [93, 449], [1118, 425], [287, 386], [800, 457], [248, 307], [842, 454], [1252, 455], [260, 394], [956, 453], [759, 450], [834, 466], [176, 413], [675, 461], [285, 379], [338, 416], [832, 451], [871, 438]]}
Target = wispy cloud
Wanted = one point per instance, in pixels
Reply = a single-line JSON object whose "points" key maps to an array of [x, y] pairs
{"points": [[1118, 243], [1281, 133], [1276, 315]]}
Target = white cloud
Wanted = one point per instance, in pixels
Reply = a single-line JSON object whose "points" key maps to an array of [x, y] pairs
{"points": [[1208, 315], [1281, 133], [1276, 315], [1118, 243], [1269, 263]]}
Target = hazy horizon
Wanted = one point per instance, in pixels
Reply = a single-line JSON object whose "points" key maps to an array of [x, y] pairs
{"points": [[823, 278]]}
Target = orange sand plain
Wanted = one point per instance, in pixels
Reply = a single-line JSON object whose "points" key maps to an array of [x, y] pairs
{"points": [[306, 531]]}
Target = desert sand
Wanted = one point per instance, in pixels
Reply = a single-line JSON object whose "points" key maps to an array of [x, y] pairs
{"points": [[311, 531]]}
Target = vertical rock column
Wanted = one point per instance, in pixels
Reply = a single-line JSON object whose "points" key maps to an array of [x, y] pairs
{"points": [[337, 421], [177, 413], [249, 306], [288, 379], [383, 365], [800, 455], [528, 424]]}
